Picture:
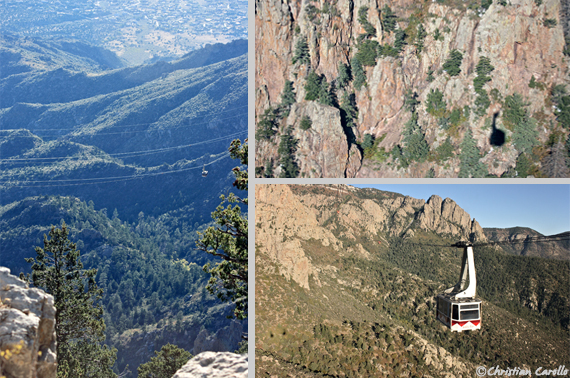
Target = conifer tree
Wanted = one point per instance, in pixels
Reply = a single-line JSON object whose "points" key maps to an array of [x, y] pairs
{"points": [[453, 63], [80, 329], [469, 165], [301, 53], [388, 19], [228, 241], [287, 98], [166, 362]]}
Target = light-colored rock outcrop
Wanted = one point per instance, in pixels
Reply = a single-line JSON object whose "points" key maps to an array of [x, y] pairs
{"points": [[215, 365], [27, 330], [288, 218], [223, 340]]}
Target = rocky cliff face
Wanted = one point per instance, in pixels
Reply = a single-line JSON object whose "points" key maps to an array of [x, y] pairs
{"points": [[293, 215], [517, 37], [215, 365], [27, 330]]}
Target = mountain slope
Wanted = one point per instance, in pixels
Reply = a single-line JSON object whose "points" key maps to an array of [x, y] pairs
{"points": [[556, 249], [136, 127], [346, 280]]}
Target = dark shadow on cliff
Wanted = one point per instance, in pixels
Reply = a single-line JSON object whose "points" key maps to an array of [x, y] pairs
{"points": [[497, 136]]}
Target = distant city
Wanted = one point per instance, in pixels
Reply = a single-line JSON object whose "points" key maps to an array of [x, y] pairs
{"points": [[138, 32]]}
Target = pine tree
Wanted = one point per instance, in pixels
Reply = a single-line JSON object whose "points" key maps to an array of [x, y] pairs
{"points": [[420, 36], [286, 151], [388, 19], [301, 53], [288, 98], [525, 136], [358, 73], [344, 75], [469, 165], [166, 362], [228, 241], [80, 329], [453, 63], [556, 163]]}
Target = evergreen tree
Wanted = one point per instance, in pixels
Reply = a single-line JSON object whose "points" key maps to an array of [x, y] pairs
{"points": [[400, 40], [344, 75], [367, 53], [348, 108], [514, 112], [301, 53], [435, 105], [166, 362], [388, 19], [305, 123], [556, 163], [524, 165], [312, 86], [80, 329], [469, 165], [525, 136], [420, 37], [228, 241], [266, 126], [445, 150], [286, 150], [370, 31], [453, 63], [415, 145], [358, 73], [287, 98]]}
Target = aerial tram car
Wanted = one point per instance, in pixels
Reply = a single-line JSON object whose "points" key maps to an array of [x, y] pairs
{"points": [[458, 308], [204, 171]]}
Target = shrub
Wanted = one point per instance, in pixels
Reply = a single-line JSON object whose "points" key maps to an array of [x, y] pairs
{"points": [[305, 123], [437, 35], [550, 22], [453, 63]]}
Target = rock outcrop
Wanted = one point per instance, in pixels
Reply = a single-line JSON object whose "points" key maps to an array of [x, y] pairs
{"points": [[223, 340], [215, 365], [516, 38], [293, 216], [27, 330]]}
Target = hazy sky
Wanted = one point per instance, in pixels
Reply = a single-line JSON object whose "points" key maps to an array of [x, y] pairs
{"points": [[544, 208]]}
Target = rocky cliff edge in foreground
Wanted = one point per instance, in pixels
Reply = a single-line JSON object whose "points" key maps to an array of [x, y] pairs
{"points": [[215, 365], [27, 330]]}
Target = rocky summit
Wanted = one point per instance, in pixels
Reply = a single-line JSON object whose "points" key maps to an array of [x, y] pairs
{"points": [[27, 330], [412, 88]]}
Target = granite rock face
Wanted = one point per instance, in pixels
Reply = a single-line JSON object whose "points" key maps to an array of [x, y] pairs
{"points": [[514, 37], [215, 365], [27, 330]]}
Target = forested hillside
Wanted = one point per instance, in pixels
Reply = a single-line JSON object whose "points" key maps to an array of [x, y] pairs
{"points": [[352, 274], [117, 154]]}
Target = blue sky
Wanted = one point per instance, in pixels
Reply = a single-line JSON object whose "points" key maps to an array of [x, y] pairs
{"points": [[544, 208]]}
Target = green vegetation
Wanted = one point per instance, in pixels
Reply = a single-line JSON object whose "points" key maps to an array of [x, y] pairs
{"points": [[288, 98], [444, 151], [344, 75], [420, 37], [562, 101], [370, 31], [228, 241], [317, 89], [57, 269], [388, 19], [301, 53], [550, 22], [286, 151], [367, 52], [435, 105], [166, 362], [267, 125], [453, 63], [400, 40], [312, 12], [483, 68], [349, 112], [516, 119], [437, 35], [358, 73], [469, 165], [305, 123], [538, 2]]}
